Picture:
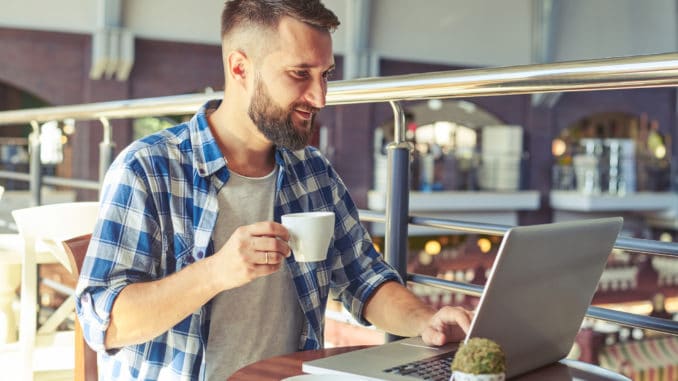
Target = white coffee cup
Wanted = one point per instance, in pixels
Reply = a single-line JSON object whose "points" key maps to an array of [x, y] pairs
{"points": [[310, 234]]}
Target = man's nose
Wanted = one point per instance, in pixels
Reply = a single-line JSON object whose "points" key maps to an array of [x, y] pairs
{"points": [[316, 93]]}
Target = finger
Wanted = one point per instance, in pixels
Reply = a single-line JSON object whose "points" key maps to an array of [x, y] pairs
{"points": [[464, 320], [470, 315], [268, 258], [269, 229], [272, 244], [448, 324], [457, 315], [432, 336]]}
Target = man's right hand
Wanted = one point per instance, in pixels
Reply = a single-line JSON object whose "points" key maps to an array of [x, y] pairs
{"points": [[251, 252], [242, 259]]}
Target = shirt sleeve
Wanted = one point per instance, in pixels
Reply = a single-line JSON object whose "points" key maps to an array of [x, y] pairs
{"points": [[121, 249], [358, 269]]}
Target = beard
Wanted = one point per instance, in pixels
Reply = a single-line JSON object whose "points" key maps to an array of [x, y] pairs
{"points": [[275, 123]]}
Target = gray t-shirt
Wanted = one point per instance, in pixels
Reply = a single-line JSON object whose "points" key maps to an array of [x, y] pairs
{"points": [[262, 318]]}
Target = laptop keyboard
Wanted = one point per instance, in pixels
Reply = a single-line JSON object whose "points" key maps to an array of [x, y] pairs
{"points": [[433, 368]]}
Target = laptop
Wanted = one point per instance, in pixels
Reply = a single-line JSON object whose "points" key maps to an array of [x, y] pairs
{"points": [[536, 296]]}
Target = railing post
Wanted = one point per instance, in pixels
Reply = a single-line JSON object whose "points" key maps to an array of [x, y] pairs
{"points": [[397, 197], [106, 149], [35, 168]]}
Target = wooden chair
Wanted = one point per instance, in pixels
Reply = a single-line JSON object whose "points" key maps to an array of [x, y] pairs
{"points": [[85, 357]]}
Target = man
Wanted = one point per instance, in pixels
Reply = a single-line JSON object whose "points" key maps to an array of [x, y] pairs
{"points": [[187, 275]]}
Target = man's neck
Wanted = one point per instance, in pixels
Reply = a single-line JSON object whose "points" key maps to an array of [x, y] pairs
{"points": [[245, 149]]}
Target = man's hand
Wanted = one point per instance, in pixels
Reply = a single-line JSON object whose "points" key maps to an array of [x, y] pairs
{"points": [[252, 251], [395, 309], [449, 324], [243, 258]]}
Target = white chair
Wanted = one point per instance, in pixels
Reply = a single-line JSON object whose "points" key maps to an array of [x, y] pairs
{"points": [[43, 228]]}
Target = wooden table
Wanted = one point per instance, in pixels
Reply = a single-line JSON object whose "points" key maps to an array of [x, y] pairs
{"points": [[277, 368]]}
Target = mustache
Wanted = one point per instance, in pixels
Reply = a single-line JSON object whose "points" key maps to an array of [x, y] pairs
{"points": [[305, 107]]}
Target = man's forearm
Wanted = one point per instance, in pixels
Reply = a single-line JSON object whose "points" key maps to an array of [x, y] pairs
{"points": [[397, 310], [143, 311]]}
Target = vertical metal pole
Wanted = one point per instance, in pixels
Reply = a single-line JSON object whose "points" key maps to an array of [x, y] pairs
{"points": [[397, 198], [106, 149], [397, 195], [35, 170]]}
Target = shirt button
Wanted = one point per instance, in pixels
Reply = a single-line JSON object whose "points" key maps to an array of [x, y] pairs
{"points": [[190, 259], [201, 171], [200, 254]]}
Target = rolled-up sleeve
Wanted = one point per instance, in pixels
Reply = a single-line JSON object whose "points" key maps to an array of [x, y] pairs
{"points": [[358, 269], [120, 251]]}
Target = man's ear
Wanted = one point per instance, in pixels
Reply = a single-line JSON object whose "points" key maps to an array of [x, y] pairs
{"points": [[237, 66]]}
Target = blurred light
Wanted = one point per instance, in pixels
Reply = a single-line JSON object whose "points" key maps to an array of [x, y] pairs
{"points": [[624, 334], [485, 245], [64, 139], [435, 104], [467, 106], [69, 126], [470, 274], [432, 247], [666, 237], [424, 258], [443, 133], [376, 247], [660, 151], [558, 147]]}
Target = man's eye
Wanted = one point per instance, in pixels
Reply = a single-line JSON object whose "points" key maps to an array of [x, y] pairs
{"points": [[301, 74], [328, 75]]}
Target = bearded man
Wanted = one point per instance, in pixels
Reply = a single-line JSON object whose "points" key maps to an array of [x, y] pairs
{"points": [[189, 275]]}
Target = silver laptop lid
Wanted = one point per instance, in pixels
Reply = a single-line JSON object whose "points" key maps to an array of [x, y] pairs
{"points": [[540, 287]]}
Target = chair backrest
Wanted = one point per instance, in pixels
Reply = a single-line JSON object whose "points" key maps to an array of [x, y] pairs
{"points": [[76, 249], [51, 224], [85, 357]]}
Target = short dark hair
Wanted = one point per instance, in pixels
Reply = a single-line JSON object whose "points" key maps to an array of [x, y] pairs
{"points": [[267, 14]]}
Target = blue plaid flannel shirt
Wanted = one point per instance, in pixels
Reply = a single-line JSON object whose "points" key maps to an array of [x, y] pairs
{"points": [[158, 210]]}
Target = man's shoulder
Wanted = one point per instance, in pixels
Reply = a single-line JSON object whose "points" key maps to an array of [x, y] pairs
{"points": [[164, 143], [161, 141]]}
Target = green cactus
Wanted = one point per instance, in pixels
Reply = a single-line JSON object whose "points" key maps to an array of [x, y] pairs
{"points": [[479, 356]]}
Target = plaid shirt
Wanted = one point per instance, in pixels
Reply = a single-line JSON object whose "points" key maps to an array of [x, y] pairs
{"points": [[158, 211]]}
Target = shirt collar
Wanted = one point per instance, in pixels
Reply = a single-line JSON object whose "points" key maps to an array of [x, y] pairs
{"points": [[207, 154], [208, 157]]}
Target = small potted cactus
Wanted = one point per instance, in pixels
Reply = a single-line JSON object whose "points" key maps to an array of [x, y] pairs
{"points": [[479, 359]]}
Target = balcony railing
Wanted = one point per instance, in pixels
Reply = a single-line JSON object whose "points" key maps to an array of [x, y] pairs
{"points": [[615, 73]]}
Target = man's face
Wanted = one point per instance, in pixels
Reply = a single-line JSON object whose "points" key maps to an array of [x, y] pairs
{"points": [[290, 85], [276, 122]]}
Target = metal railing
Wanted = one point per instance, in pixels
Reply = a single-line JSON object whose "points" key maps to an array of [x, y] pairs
{"points": [[616, 73], [620, 317]]}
